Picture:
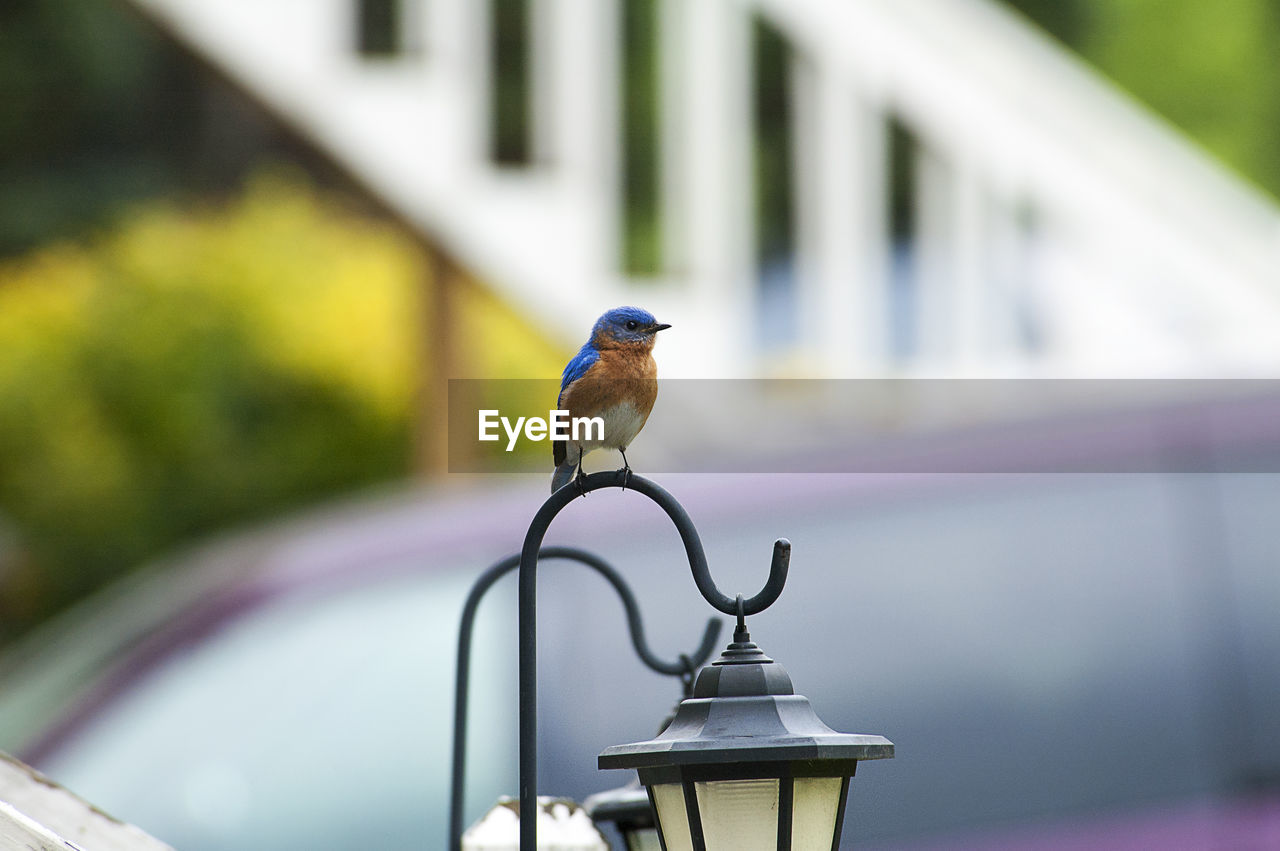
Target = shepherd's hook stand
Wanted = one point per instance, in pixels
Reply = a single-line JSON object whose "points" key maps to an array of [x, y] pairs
{"points": [[684, 667], [528, 598]]}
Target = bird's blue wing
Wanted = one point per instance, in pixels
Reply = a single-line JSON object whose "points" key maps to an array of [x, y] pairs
{"points": [[577, 368]]}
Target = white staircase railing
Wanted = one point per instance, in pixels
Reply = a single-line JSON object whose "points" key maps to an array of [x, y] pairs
{"points": [[1059, 228]]}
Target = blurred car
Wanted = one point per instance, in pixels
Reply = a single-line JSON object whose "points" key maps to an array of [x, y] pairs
{"points": [[1051, 652]]}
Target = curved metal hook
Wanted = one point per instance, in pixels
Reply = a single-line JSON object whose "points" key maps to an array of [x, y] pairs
{"points": [[528, 596], [722, 602], [679, 668]]}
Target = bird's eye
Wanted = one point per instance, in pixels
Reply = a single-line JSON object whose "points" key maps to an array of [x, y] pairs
{"points": [[632, 325]]}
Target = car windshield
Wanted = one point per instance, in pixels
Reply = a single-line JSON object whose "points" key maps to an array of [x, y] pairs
{"points": [[319, 721]]}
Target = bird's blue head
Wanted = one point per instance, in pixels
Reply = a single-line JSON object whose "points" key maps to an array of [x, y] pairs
{"points": [[626, 326]]}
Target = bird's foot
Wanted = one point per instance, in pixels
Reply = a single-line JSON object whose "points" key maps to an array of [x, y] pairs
{"points": [[626, 468], [581, 481]]}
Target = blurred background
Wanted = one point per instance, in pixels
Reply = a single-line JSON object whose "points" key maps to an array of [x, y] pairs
{"points": [[244, 245]]}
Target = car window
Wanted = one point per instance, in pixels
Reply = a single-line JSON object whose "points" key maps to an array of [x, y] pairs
{"points": [[320, 721]]}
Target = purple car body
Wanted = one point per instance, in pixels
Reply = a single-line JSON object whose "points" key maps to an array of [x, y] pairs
{"points": [[1071, 659]]}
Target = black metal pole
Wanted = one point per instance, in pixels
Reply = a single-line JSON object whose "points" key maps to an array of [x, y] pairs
{"points": [[680, 667], [528, 600]]}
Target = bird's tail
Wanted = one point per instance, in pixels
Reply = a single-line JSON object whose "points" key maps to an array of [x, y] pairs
{"points": [[563, 475]]}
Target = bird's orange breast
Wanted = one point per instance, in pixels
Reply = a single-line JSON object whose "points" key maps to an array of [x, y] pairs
{"points": [[619, 376]]}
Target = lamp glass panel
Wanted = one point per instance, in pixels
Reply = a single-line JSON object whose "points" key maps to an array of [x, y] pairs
{"points": [[668, 799], [814, 808], [739, 815], [645, 839]]}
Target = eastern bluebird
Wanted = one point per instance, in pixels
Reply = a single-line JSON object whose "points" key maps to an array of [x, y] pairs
{"points": [[612, 377]]}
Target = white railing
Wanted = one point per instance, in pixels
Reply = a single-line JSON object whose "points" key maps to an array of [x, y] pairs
{"points": [[1059, 228], [37, 813]]}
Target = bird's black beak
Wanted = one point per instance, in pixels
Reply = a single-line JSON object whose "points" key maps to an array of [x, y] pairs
{"points": [[658, 326]]}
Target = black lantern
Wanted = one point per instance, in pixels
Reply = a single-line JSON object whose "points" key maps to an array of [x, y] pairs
{"points": [[627, 809], [746, 765]]}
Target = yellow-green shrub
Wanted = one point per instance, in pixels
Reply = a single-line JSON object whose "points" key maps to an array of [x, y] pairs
{"points": [[193, 369]]}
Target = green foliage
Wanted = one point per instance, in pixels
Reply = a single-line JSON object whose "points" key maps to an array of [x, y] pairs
{"points": [[1063, 19], [95, 110], [642, 248], [1209, 68], [512, 123], [772, 110], [193, 370]]}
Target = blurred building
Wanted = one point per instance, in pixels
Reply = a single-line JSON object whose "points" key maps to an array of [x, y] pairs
{"points": [[952, 193]]}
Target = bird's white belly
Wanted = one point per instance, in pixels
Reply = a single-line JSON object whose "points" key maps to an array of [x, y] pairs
{"points": [[621, 424]]}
